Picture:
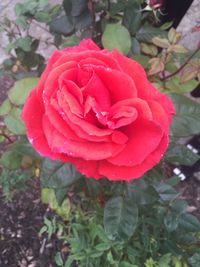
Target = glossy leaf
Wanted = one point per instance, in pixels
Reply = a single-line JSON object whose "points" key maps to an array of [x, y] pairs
{"points": [[120, 218], [116, 36]]}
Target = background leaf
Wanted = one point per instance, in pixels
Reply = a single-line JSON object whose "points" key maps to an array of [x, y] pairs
{"points": [[13, 122], [19, 92], [116, 36]]}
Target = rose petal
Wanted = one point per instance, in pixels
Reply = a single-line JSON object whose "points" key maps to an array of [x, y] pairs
{"points": [[54, 57], [143, 109], [118, 84], [86, 150], [96, 88], [115, 173], [159, 115], [67, 70], [144, 137], [32, 115]]}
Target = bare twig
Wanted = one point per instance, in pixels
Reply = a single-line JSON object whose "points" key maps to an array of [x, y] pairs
{"points": [[181, 67]]}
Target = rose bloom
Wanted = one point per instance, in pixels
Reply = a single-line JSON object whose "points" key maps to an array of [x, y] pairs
{"points": [[97, 110], [156, 3]]}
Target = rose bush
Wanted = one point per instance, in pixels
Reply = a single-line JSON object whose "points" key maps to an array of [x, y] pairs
{"points": [[97, 110]]}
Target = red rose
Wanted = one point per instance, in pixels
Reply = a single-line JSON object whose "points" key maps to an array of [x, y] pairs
{"points": [[97, 110], [156, 3]]}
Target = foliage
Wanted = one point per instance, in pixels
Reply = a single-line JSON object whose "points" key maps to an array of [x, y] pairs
{"points": [[141, 223]]}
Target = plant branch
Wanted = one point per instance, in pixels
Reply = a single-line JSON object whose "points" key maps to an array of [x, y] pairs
{"points": [[7, 137], [181, 67]]}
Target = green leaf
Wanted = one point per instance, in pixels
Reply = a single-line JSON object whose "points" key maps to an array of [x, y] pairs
{"points": [[22, 22], [13, 122], [64, 209], [24, 148], [127, 264], [194, 260], [189, 223], [102, 247], [58, 259], [42, 16], [174, 180], [186, 121], [70, 41], [67, 5], [60, 194], [83, 21], [161, 42], [147, 32], [132, 17], [165, 260], [56, 174], [78, 7], [166, 192], [180, 154], [62, 25], [141, 193], [19, 9], [143, 60], [5, 107], [48, 197], [174, 85], [19, 92], [120, 218], [11, 160], [171, 221], [116, 36], [24, 43]]}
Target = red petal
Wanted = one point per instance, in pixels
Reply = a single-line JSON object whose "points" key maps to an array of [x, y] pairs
{"points": [[140, 105], [144, 137], [67, 70], [54, 57], [97, 89], [86, 150], [117, 83], [32, 115], [159, 115], [114, 172]]}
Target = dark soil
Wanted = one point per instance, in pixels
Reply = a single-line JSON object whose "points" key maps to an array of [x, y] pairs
{"points": [[20, 222]]}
